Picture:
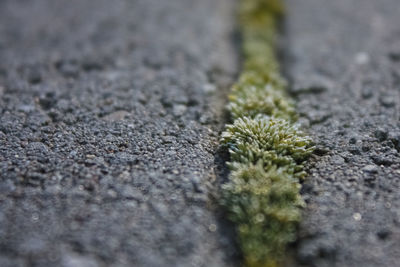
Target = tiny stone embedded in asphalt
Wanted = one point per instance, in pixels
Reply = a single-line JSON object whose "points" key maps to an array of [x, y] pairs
{"points": [[352, 193], [109, 127]]}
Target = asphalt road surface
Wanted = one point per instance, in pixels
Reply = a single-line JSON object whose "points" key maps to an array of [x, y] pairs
{"points": [[343, 60], [109, 126]]}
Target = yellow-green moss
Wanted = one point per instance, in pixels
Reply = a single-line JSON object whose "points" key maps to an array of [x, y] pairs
{"points": [[265, 145], [265, 207], [271, 140]]}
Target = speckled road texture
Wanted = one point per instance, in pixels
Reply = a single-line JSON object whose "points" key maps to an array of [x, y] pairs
{"points": [[109, 121], [343, 59], [109, 126]]}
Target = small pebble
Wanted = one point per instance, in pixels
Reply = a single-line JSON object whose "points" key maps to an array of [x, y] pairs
{"points": [[387, 101], [381, 134], [357, 216], [209, 88], [178, 110], [362, 58], [212, 228], [370, 168]]}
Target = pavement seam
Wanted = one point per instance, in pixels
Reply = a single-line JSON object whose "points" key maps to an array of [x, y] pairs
{"points": [[266, 147]]}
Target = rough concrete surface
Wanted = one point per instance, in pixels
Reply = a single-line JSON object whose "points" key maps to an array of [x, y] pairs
{"points": [[109, 120], [343, 60]]}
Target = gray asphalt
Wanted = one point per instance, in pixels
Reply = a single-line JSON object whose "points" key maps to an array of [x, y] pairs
{"points": [[110, 113], [343, 60]]}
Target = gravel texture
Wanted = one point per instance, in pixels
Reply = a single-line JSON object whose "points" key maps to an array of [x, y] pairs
{"points": [[343, 60], [110, 114]]}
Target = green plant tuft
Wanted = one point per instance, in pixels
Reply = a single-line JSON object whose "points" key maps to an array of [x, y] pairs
{"points": [[265, 207], [264, 133], [266, 147], [274, 141], [251, 101]]}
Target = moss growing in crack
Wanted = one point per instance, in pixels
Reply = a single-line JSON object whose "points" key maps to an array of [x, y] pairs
{"points": [[266, 147], [268, 134], [251, 101], [273, 141], [265, 207]]}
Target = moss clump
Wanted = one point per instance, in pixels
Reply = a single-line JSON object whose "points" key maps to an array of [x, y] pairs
{"points": [[253, 100], [273, 141], [266, 147], [264, 204]]}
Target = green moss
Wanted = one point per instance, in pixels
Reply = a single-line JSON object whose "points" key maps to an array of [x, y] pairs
{"points": [[274, 141], [265, 207], [266, 147], [251, 101], [268, 134]]}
